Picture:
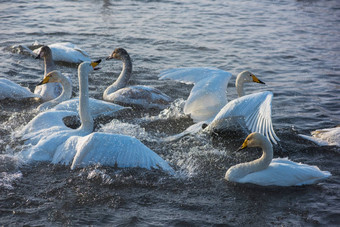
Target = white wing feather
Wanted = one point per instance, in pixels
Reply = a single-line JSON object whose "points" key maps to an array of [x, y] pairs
{"points": [[256, 110], [207, 96], [108, 150]]}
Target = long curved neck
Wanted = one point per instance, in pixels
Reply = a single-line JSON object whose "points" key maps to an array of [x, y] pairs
{"points": [[84, 107], [67, 90], [65, 94], [49, 64], [123, 78], [241, 170], [239, 86]]}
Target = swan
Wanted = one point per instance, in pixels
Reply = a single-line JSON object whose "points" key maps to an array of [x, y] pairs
{"points": [[207, 103], [11, 90], [267, 171], [51, 90], [66, 52], [140, 96], [63, 102], [325, 137], [81, 147]]}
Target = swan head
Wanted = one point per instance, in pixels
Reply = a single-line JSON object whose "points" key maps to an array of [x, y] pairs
{"points": [[51, 77], [254, 139], [89, 66], [247, 76], [119, 54], [44, 52]]}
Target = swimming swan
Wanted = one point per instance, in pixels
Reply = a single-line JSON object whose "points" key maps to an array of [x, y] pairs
{"points": [[207, 102], [267, 171], [325, 137], [81, 147], [141, 96], [48, 91], [11, 90], [66, 52]]}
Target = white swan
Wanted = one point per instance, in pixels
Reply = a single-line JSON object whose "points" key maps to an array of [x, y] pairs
{"points": [[325, 137], [66, 52], [11, 90], [81, 147], [98, 108], [207, 102], [48, 91], [140, 96], [267, 171]]}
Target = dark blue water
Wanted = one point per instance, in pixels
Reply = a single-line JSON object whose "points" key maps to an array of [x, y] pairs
{"points": [[293, 46]]}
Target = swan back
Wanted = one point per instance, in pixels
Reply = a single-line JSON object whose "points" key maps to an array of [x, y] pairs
{"points": [[9, 89], [283, 172], [67, 52]]}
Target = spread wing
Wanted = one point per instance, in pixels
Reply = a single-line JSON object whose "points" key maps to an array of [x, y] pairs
{"points": [[116, 150], [256, 111], [207, 96]]}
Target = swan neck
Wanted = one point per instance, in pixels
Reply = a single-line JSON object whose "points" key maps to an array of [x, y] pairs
{"points": [[65, 95], [239, 86], [49, 64], [123, 78], [67, 90], [84, 107]]}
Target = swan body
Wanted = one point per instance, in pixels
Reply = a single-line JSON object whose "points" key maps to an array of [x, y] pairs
{"points": [[67, 52], [11, 90], [325, 137], [141, 96], [81, 147], [207, 102], [267, 171], [52, 90]]}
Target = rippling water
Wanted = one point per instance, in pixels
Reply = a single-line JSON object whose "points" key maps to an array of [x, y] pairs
{"points": [[293, 46]]}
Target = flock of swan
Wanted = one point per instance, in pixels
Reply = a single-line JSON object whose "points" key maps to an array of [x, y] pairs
{"points": [[49, 139]]}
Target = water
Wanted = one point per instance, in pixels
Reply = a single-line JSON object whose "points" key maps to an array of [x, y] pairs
{"points": [[293, 46]]}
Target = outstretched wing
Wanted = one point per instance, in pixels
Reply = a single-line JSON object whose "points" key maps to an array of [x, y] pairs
{"points": [[207, 96], [256, 111], [43, 124], [116, 150]]}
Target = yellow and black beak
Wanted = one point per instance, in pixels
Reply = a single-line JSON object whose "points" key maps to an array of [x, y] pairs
{"points": [[256, 80], [244, 145], [95, 63], [45, 80]]}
